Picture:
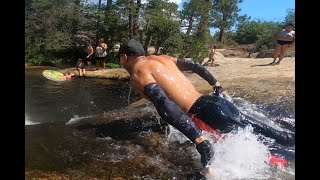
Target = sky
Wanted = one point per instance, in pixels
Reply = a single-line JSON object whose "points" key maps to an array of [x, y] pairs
{"points": [[268, 10], [265, 10]]}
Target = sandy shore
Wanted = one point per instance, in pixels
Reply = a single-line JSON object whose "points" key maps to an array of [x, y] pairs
{"points": [[259, 84]]}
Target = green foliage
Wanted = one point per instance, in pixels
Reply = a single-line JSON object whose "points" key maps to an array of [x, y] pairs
{"points": [[195, 48], [161, 20], [174, 45], [259, 32], [50, 26], [290, 17], [113, 65], [224, 15], [228, 40], [56, 31]]}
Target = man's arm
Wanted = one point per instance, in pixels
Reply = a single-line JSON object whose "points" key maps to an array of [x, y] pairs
{"points": [[173, 115], [195, 67]]}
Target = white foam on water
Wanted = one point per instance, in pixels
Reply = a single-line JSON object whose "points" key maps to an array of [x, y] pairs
{"points": [[289, 120], [240, 156], [27, 120], [175, 135], [253, 110], [76, 119]]}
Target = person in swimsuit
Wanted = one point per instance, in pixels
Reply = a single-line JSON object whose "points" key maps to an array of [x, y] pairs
{"points": [[160, 80], [81, 68], [285, 39], [89, 51], [211, 55], [100, 54]]}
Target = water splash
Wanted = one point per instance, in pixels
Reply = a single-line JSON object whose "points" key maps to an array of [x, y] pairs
{"points": [[76, 119], [254, 111], [27, 120], [240, 156], [176, 136]]}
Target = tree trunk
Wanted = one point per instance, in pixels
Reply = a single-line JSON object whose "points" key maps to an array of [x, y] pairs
{"points": [[109, 2], [131, 7], [204, 21], [108, 8], [140, 35], [135, 25], [75, 22], [190, 24], [203, 26], [147, 41], [98, 22], [221, 33]]}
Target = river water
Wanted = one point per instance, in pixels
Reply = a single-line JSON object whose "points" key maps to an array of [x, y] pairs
{"points": [[134, 150]]}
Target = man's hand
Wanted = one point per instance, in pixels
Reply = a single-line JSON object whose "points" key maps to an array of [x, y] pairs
{"points": [[209, 171], [217, 90]]}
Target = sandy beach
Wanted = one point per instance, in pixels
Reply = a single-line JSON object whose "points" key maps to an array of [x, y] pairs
{"points": [[259, 84]]}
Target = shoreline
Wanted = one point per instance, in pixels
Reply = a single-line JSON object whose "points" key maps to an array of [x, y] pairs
{"points": [[239, 76]]}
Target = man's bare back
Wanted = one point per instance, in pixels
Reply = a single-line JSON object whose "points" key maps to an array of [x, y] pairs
{"points": [[163, 71]]}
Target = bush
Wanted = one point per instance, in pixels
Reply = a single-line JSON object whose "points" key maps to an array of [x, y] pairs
{"points": [[112, 65]]}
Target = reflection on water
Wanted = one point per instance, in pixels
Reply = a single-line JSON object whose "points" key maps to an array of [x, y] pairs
{"points": [[50, 101], [142, 148]]}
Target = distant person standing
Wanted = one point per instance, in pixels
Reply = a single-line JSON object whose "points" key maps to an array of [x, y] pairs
{"points": [[100, 54], [89, 52], [285, 40], [211, 55]]}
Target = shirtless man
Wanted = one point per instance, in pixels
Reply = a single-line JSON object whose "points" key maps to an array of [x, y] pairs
{"points": [[160, 80]]}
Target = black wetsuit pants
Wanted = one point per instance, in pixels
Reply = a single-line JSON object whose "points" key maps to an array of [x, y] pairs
{"points": [[223, 116]]}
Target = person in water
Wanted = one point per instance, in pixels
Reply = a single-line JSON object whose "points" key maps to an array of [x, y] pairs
{"points": [[68, 75], [284, 41], [160, 80]]}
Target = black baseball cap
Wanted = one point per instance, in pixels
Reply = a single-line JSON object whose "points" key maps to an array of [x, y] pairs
{"points": [[132, 48]]}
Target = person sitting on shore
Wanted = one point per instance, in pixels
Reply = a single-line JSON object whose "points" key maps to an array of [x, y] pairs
{"points": [[160, 80], [81, 68]]}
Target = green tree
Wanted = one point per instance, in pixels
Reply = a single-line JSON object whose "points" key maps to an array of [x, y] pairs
{"points": [[161, 22], [50, 29], [224, 15], [290, 17], [259, 32]]}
